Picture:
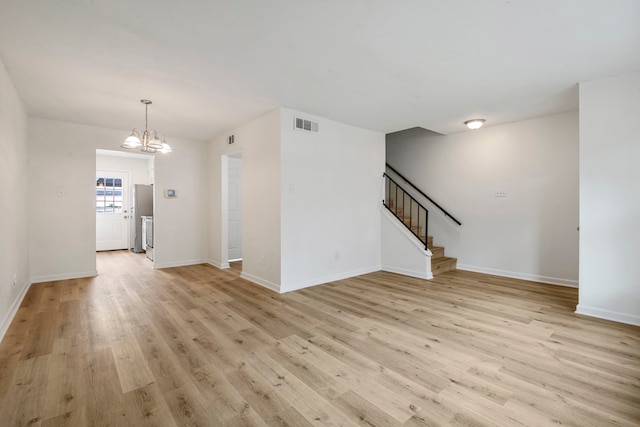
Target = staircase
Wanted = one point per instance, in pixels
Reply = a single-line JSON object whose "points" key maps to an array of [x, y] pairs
{"points": [[415, 218], [439, 262]]}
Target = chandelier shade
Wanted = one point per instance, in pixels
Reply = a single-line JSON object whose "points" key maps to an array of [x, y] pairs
{"points": [[146, 141], [474, 124]]}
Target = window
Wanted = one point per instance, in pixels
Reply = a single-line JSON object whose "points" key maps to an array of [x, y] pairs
{"points": [[108, 195]]}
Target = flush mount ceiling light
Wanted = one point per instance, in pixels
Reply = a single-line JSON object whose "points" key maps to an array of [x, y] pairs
{"points": [[474, 124], [147, 142]]}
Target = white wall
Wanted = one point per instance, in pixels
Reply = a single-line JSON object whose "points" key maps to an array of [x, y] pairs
{"points": [[610, 198], [529, 234], [14, 226], [180, 224], [139, 168], [331, 197], [259, 142], [402, 253], [305, 198], [62, 239]]}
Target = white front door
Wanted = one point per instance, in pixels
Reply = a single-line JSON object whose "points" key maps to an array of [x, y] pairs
{"points": [[112, 198], [235, 208]]}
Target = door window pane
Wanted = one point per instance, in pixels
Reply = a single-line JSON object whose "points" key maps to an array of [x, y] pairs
{"points": [[108, 195]]}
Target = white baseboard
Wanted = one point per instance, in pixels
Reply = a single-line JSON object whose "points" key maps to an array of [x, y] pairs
{"points": [[66, 276], [260, 281], [8, 318], [631, 319], [219, 264], [331, 278], [184, 263], [410, 273], [524, 276]]}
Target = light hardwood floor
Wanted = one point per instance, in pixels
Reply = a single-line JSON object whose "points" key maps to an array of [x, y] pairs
{"points": [[199, 346]]}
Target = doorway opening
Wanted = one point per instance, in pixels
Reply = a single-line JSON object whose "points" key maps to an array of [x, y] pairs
{"points": [[232, 211], [119, 177]]}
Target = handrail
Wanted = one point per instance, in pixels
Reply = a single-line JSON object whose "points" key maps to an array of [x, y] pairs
{"points": [[423, 194], [396, 209]]}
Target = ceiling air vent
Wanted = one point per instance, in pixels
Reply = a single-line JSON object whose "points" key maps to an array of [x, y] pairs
{"points": [[305, 125]]}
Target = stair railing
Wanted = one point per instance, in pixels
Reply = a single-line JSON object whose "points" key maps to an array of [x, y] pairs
{"points": [[406, 208], [424, 195]]}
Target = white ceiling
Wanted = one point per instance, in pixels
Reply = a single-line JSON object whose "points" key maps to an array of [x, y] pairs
{"points": [[383, 65]]}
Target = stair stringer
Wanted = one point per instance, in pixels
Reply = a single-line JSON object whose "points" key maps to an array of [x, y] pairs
{"points": [[402, 252]]}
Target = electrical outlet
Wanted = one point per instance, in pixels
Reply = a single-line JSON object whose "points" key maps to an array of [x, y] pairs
{"points": [[337, 255], [15, 279], [501, 193]]}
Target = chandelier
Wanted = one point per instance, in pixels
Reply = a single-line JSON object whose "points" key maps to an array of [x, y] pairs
{"points": [[147, 142], [474, 124]]}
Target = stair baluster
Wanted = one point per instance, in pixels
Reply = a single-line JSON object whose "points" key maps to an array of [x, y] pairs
{"points": [[416, 224], [412, 222]]}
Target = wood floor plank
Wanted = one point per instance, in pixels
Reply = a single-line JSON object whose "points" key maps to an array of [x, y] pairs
{"points": [[478, 406], [363, 412], [12, 345], [322, 382], [104, 401], [369, 388], [190, 408], [73, 418], [41, 335], [197, 345], [133, 369], [309, 403], [23, 401], [146, 406], [427, 404], [231, 317], [541, 405], [64, 391], [596, 365], [290, 417], [261, 394], [71, 291], [225, 400], [167, 370]]}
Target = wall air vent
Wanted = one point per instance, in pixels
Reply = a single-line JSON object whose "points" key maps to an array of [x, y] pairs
{"points": [[305, 125]]}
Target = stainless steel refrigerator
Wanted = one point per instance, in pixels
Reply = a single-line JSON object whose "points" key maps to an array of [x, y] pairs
{"points": [[141, 205]]}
